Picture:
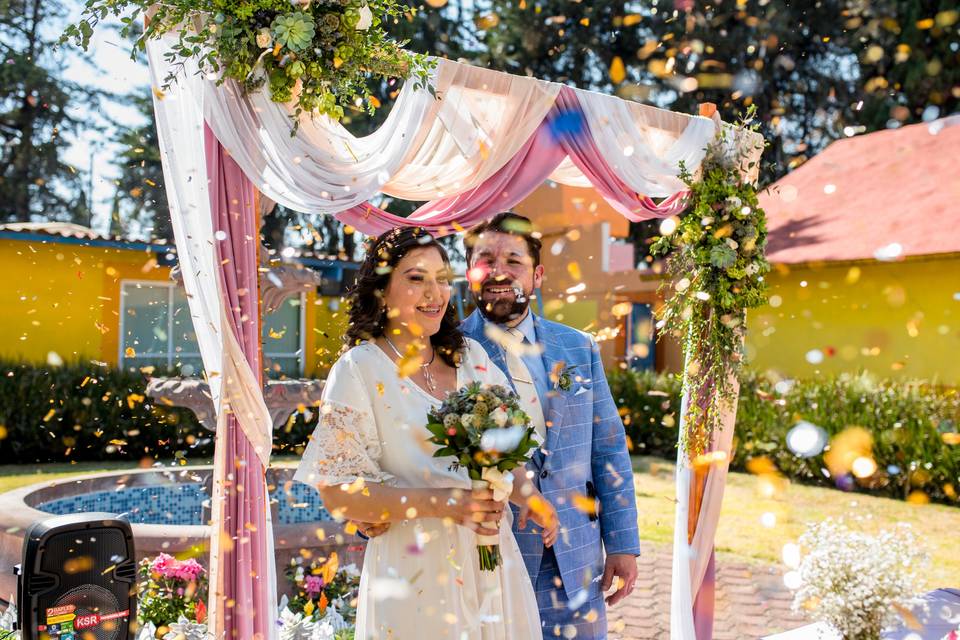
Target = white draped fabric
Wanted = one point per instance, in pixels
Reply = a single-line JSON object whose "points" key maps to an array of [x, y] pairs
{"points": [[322, 169], [691, 557], [180, 132], [643, 145], [427, 148]]}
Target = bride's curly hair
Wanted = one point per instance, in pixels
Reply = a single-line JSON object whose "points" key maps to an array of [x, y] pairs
{"points": [[368, 314]]}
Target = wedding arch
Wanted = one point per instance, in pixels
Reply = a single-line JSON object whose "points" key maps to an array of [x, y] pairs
{"points": [[470, 142]]}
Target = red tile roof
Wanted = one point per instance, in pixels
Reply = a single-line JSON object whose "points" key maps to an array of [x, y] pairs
{"points": [[887, 194]]}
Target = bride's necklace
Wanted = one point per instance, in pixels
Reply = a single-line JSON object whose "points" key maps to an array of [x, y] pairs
{"points": [[425, 368]]}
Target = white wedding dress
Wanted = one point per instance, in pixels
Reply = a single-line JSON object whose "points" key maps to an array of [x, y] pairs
{"points": [[421, 579]]}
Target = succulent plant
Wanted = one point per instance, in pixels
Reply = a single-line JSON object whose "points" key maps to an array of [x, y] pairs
{"points": [[293, 30]]}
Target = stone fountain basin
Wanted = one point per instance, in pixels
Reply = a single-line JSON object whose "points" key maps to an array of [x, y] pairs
{"points": [[168, 510]]}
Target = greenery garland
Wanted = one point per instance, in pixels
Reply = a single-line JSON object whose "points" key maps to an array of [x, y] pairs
{"points": [[319, 53], [715, 265]]}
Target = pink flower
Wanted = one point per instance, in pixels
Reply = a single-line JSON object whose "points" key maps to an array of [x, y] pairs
{"points": [[188, 571], [165, 565], [313, 585]]}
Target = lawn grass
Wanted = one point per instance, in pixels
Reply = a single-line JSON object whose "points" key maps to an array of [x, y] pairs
{"points": [[14, 476], [748, 497], [740, 533]]}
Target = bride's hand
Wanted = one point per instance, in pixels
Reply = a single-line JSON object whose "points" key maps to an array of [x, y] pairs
{"points": [[372, 529], [471, 508]]}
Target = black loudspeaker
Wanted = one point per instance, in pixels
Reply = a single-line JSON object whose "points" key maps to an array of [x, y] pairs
{"points": [[78, 580]]}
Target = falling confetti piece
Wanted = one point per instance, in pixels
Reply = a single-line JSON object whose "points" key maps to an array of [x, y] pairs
{"points": [[584, 504], [846, 447], [618, 72]]}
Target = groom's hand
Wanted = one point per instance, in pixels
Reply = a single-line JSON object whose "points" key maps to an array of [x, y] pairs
{"points": [[539, 509], [623, 568]]}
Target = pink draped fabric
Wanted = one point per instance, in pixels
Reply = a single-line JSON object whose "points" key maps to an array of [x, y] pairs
{"points": [[704, 604], [517, 179], [526, 171], [241, 579], [586, 156]]}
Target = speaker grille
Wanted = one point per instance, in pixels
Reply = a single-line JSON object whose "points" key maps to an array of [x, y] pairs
{"points": [[81, 580]]}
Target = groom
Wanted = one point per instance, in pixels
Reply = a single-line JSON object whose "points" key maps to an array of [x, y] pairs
{"points": [[582, 466]]}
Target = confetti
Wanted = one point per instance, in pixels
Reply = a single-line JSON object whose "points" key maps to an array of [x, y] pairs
{"points": [[618, 72]]}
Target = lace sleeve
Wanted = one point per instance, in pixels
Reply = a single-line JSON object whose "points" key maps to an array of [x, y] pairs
{"points": [[345, 444]]}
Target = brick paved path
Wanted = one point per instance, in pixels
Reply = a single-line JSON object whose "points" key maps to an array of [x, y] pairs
{"points": [[751, 600]]}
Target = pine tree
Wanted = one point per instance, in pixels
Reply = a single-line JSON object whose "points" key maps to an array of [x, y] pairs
{"points": [[39, 111]]}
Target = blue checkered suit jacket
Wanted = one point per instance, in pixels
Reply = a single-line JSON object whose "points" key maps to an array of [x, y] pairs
{"points": [[585, 455]]}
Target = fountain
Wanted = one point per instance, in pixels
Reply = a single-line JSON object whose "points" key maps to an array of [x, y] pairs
{"points": [[168, 507]]}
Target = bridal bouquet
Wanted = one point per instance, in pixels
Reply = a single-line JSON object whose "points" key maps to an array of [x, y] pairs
{"points": [[857, 583], [488, 434]]}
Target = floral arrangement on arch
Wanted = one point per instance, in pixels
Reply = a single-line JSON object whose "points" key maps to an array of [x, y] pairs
{"points": [[716, 263], [172, 599], [857, 583], [318, 53], [324, 603]]}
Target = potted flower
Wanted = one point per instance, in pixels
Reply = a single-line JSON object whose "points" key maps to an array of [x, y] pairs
{"points": [[855, 582], [173, 596], [323, 606]]}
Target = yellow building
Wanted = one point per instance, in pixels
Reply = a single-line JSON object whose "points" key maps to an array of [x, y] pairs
{"points": [[865, 241], [72, 295]]}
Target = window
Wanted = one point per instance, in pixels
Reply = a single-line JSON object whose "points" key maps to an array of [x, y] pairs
{"points": [[282, 335], [156, 329]]}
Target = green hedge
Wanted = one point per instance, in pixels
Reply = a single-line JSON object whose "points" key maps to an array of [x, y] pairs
{"points": [[85, 412], [906, 419]]}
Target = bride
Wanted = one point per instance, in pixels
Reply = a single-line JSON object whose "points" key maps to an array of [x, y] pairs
{"points": [[371, 463]]}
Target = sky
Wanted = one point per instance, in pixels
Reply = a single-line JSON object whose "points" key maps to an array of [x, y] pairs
{"points": [[112, 71]]}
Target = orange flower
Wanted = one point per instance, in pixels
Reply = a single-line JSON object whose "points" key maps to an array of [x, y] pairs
{"points": [[200, 612]]}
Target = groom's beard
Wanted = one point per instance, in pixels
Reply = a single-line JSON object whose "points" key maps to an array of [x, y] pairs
{"points": [[503, 308]]}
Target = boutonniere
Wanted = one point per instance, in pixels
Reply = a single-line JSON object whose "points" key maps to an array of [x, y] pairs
{"points": [[564, 378]]}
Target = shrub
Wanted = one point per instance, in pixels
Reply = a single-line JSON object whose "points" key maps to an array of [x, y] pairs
{"points": [[912, 424], [82, 411], [649, 405]]}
